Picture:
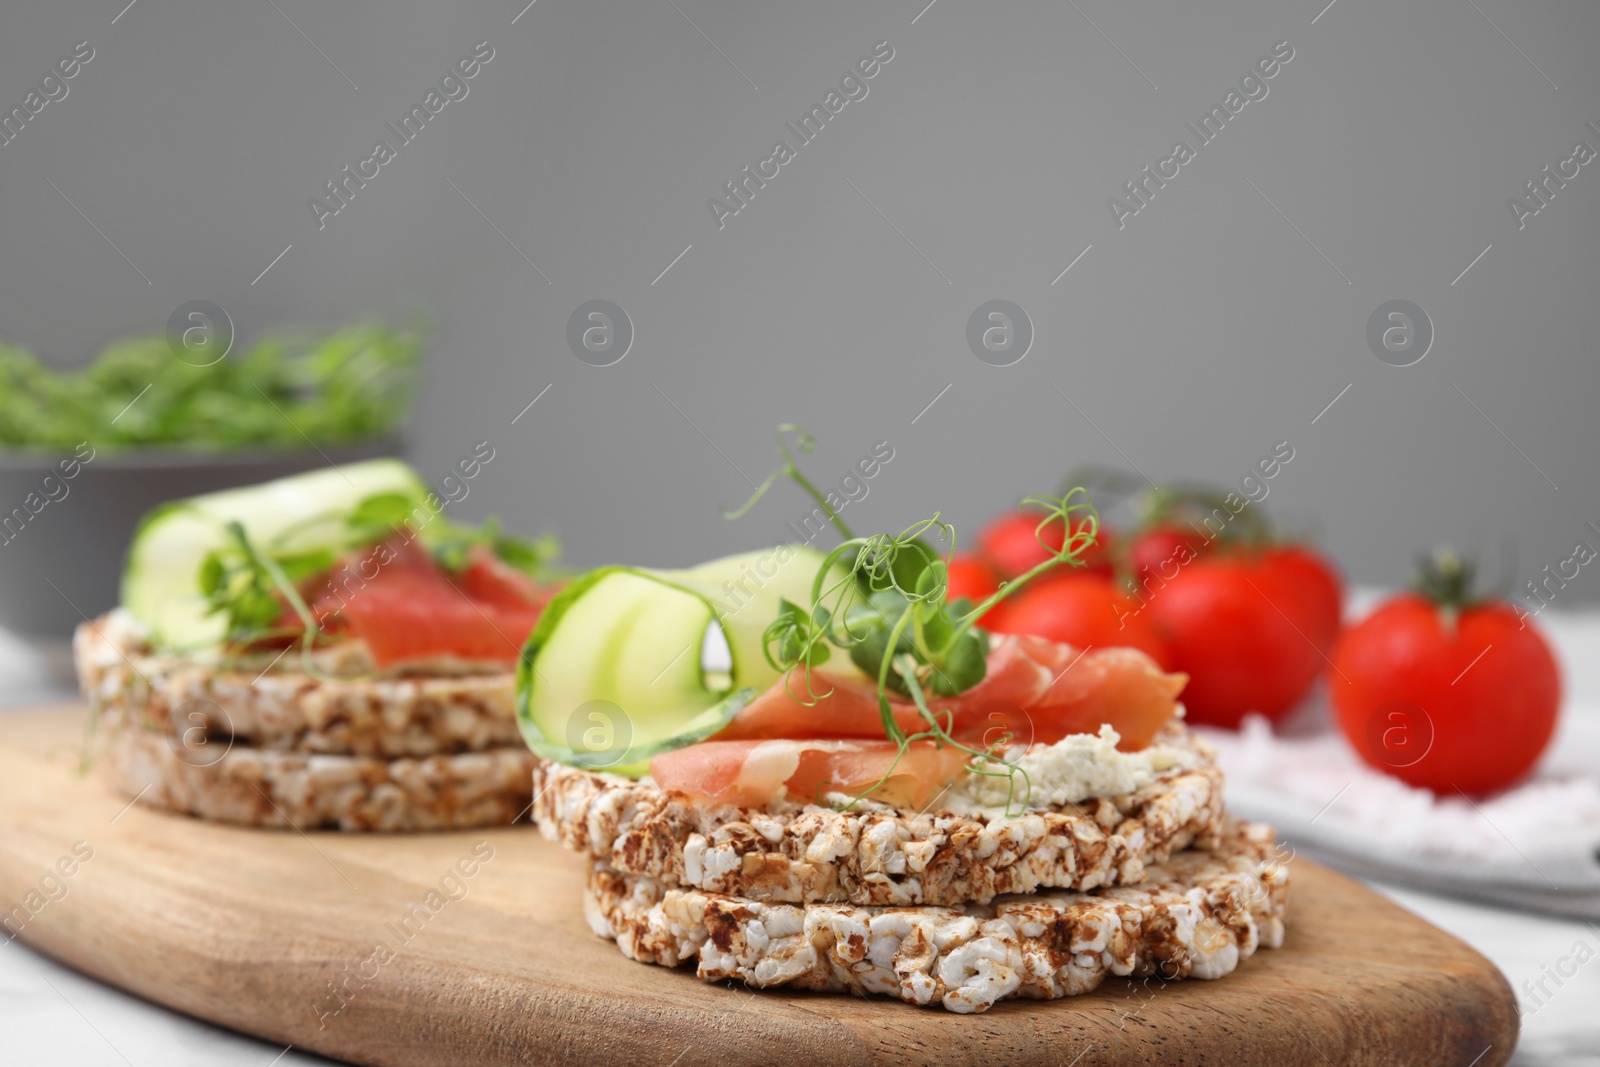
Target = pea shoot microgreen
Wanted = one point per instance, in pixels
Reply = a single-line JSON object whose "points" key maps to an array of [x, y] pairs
{"points": [[884, 601], [251, 588], [790, 468], [349, 385]]}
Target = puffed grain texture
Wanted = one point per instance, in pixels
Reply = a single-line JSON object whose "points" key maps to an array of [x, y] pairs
{"points": [[821, 855], [1198, 915], [307, 791], [289, 710]]}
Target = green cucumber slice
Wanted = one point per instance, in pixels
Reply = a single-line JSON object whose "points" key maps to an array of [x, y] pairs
{"points": [[160, 583], [614, 674]]}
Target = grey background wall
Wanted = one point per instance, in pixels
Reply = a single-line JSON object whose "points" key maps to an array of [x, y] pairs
{"points": [[1222, 318]]}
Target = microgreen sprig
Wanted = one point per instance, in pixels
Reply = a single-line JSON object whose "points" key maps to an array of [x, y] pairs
{"points": [[887, 596], [245, 584], [790, 468], [884, 600]]}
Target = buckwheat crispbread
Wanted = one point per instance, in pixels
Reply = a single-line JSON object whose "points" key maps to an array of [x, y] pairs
{"points": [[306, 791], [284, 708], [1198, 915], [275, 746], [878, 857]]}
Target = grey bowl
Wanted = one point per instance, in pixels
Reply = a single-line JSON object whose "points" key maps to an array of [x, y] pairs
{"points": [[61, 549]]}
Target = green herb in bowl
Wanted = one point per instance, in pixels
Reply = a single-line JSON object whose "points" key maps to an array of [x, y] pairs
{"points": [[349, 386]]}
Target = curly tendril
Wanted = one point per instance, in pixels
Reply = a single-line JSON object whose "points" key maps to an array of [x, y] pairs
{"points": [[790, 468], [884, 601]]}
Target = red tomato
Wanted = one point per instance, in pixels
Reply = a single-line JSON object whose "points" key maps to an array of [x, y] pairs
{"points": [[1161, 550], [1242, 631], [1012, 543], [1469, 706], [1084, 610], [972, 578], [1317, 580]]}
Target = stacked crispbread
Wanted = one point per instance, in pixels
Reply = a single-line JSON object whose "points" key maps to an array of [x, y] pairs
{"points": [[277, 746], [936, 907]]}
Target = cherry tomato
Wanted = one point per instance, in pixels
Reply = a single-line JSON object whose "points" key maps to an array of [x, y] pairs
{"points": [[1242, 631], [972, 578], [1318, 580], [1161, 550], [1082, 609], [1467, 704], [1012, 543]]}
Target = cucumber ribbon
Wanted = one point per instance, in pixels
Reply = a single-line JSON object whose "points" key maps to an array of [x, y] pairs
{"points": [[621, 665]]}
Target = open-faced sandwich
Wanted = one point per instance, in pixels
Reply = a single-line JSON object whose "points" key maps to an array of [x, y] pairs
{"points": [[325, 650], [815, 771]]}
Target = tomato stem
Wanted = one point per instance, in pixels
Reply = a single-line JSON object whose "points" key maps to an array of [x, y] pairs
{"points": [[1447, 580]]}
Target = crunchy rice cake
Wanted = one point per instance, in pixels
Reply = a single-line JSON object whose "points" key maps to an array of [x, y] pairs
{"points": [[256, 787], [289, 710], [883, 857], [1200, 913]]}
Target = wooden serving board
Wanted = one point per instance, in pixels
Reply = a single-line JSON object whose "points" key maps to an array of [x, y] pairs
{"points": [[248, 928]]}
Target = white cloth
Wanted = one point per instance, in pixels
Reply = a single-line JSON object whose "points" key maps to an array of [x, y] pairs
{"points": [[1535, 846]]}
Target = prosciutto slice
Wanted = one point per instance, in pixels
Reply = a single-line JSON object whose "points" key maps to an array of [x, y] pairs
{"points": [[1036, 690], [754, 773]]}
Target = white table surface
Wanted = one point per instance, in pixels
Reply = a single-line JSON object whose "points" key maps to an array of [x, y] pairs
{"points": [[50, 1014]]}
